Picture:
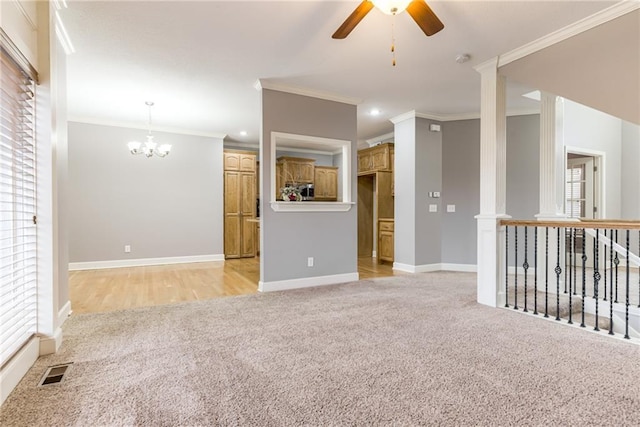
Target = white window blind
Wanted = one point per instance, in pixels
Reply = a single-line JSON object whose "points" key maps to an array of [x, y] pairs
{"points": [[18, 263]]}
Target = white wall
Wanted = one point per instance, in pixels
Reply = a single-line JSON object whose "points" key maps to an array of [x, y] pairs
{"points": [[630, 171], [592, 130]]}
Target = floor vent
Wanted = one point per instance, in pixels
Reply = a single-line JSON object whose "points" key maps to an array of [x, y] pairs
{"points": [[54, 374]]}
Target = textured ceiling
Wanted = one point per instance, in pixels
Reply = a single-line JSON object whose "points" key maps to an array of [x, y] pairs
{"points": [[199, 61]]}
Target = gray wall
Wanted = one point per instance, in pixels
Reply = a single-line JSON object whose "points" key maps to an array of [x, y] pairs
{"points": [[418, 156], [523, 166], [428, 158], [630, 171], [288, 238], [162, 207], [460, 187], [461, 180]]}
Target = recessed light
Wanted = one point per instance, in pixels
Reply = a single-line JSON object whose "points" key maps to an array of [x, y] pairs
{"points": [[375, 112], [244, 133]]}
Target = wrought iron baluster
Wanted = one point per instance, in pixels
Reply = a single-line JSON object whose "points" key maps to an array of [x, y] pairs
{"points": [[546, 272], [616, 261], [515, 290], [626, 309], [535, 271], [525, 266], [575, 263], [610, 285], [558, 271], [570, 271], [596, 274], [584, 275], [506, 263], [604, 249]]}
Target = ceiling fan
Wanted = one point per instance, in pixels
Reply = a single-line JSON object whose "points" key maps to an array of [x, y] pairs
{"points": [[418, 9]]}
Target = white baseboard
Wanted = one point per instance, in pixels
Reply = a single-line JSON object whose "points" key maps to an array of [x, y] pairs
{"points": [[425, 268], [17, 367], [64, 313], [50, 345], [463, 268], [520, 271], [428, 268], [119, 263], [307, 282]]}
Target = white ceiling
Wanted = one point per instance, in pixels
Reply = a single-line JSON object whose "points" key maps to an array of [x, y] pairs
{"points": [[199, 61]]}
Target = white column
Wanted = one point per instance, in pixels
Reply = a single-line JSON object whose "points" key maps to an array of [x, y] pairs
{"points": [[552, 181], [492, 184], [552, 162]]}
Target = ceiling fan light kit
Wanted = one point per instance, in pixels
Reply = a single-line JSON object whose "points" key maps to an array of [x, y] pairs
{"points": [[419, 10], [391, 7]]}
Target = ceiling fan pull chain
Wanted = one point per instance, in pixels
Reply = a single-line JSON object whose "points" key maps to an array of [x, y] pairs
{"points": [[393, 39]]}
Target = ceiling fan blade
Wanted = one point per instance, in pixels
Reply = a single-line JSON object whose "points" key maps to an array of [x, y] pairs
{"points": [[350, 23], [424, 17]]}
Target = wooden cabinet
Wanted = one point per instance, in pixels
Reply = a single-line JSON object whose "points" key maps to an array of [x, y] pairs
{"points": [[385, 239], [239, 204], [326, 183], [239, 161], [293, 171], [296, 170], [378, 158]]}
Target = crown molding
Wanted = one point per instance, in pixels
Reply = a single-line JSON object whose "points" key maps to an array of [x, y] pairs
{"points": [[264, 84], [599, 18], [381, 138], [490, 64], [402, 117], [93, 121], [457, 117]]}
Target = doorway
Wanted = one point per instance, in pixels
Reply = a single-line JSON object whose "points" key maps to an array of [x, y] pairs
{"points": [[581, 189], [583, 195], [366, 211]]}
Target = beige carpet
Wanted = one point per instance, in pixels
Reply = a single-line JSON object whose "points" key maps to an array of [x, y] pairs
{"points": [[402, 351]]}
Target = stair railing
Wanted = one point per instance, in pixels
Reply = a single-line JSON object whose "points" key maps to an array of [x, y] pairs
{"points": [[576, 272]]}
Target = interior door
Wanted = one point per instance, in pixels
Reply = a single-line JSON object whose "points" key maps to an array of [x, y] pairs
{"points": [[232, 214], [248, 211]]}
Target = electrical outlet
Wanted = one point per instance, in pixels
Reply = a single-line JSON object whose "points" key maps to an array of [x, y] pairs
{"points": [[127, 248], [310, 261], [451, 208], [433, 208]]}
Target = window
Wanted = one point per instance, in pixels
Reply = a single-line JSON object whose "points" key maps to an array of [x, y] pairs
{"points": [[18, 285], [575, 191]]}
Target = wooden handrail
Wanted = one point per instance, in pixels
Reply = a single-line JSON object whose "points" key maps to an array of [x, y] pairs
{"points": [[606, 224]]}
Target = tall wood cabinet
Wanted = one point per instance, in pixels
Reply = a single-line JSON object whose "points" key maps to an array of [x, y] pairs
{"points": [[239, 204]]}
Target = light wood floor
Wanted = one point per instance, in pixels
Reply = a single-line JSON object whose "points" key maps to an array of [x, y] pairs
{"points": [[94, 291]]}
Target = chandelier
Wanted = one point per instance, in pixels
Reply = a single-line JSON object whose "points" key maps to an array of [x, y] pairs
{"points": [[149, 148]]}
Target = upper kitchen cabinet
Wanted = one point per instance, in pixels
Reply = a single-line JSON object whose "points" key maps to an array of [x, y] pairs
{"points": [[375, 159], [296, 170], [237, 161]]}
